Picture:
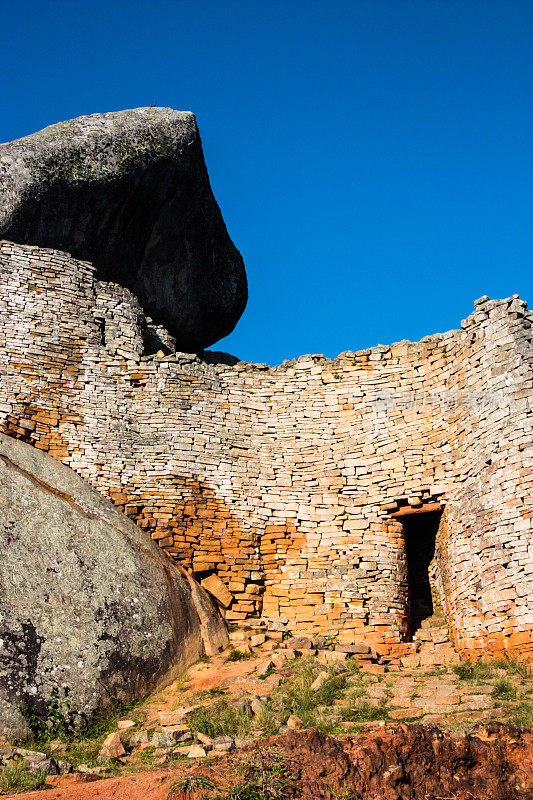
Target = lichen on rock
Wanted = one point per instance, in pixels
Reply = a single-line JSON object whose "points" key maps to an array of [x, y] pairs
{"points": [[92, 612]]}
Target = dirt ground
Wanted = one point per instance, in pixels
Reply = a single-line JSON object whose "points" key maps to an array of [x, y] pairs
{"points": [[313, 724], [402, 762]]}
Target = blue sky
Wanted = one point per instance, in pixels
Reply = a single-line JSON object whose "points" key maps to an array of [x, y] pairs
{"points": [[373, 160]]}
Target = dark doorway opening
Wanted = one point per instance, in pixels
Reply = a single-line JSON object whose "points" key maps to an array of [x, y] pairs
{"points": [[420, 530]]}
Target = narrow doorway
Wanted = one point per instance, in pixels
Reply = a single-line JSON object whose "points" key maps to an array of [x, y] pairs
{"points": [[420, 532]]}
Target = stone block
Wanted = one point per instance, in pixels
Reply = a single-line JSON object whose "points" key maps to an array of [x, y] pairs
{"points": [[112, 747]]}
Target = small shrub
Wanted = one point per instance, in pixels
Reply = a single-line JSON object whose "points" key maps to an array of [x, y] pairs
{"points": [[504, 690], [237, 655], [19, 778], [56, 720]]}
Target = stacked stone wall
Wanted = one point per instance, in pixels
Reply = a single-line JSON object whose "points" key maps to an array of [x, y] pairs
{"points": [[286, 481]]}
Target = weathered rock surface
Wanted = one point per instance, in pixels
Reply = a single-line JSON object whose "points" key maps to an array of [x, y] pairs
{"points": [[92, 612], [130, 192]]}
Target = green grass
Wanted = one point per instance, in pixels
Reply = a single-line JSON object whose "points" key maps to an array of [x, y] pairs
{"points": [[146, 756], [19, 778], [200, 696], [53, 720], [295, 696], [270, 671], [522, 714], [268, 721], [220, 719], [81, 747], [264, 775], [332, 689], [513, 666], [108, 722], [358, 692], [363, 711], [182, 681], [351, 667], [237, 655], [436, 672], [483, 670], [478, 671], [504, 690], [192, 784]]}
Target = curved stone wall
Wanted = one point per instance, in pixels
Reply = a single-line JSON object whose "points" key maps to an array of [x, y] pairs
{"points": [[286, 481]]}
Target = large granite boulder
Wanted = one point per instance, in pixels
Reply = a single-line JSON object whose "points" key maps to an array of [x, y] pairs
{"points": [[92, 612], [129, 191]]}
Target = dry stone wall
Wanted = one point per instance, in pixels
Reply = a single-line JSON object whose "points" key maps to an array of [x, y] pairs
{"points": [[291, 483]]}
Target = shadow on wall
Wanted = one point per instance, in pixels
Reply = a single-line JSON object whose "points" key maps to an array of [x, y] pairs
{"points": [[194, 526], [154, 232]]}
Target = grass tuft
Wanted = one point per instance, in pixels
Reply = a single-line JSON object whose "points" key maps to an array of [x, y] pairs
{"points": [[512, 665], [19, 778], [265, 775], [522, 714], [220, 719], [237, 655], [363, 711], [477, 671], [332, 689], [504, 690]]}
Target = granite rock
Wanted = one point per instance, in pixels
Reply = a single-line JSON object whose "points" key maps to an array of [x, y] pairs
{"points": [[92, 612]]}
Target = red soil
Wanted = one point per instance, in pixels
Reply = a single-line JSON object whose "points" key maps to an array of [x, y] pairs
{"points": [[403, 762]]}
